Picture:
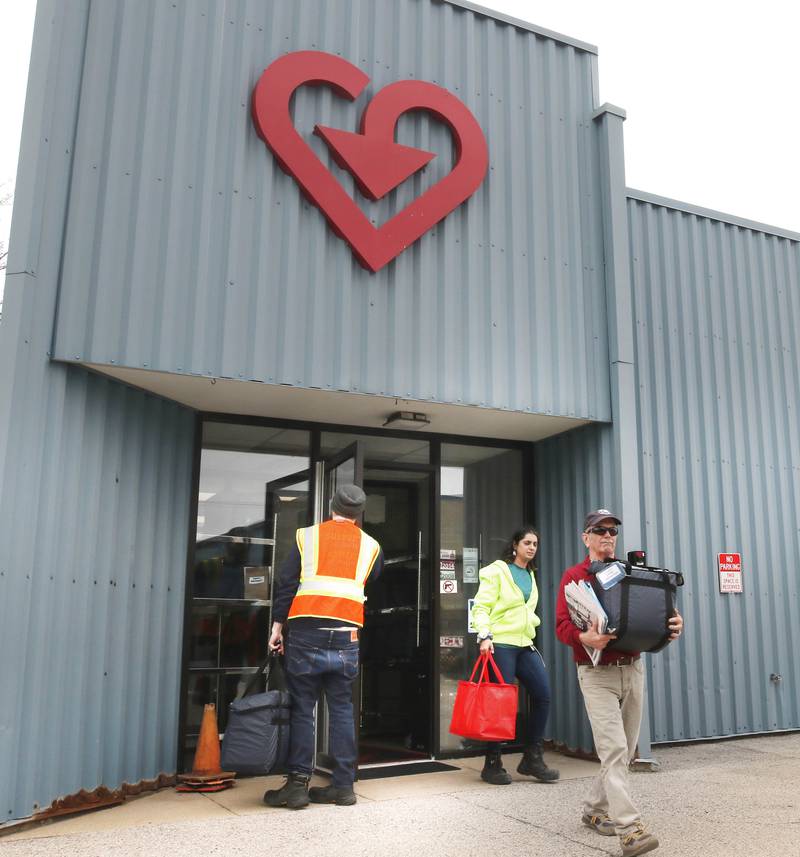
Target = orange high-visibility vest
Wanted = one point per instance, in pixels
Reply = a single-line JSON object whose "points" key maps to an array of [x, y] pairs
{"points": [[336, 559]]}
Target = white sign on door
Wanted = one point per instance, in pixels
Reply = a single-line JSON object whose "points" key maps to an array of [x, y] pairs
{"points": [[470, 565]]}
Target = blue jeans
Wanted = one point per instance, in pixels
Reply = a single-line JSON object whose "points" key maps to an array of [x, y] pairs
{"points": [[526, 664], [316, 661]]}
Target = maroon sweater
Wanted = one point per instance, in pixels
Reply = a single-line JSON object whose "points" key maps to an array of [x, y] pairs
{"points": [[566, 631]]}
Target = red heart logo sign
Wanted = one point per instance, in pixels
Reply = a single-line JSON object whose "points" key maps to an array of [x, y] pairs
{"points": [[377, 163]]}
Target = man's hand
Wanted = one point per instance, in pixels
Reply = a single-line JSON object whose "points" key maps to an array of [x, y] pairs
{"points": [[276, 638], [592, 637], [487, 646], [675, 625]]}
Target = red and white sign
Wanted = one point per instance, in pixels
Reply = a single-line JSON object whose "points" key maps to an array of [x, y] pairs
{"points": [[730, 572], [377, 163]]}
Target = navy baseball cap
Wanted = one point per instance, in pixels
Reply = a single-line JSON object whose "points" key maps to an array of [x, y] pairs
{"points": [[594, 518]]}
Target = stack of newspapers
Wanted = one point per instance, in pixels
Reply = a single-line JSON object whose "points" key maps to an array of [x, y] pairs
{"points": [[584, 609]]}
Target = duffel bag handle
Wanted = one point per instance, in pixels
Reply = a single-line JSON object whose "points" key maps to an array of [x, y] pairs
{"points": [[265, 668]]}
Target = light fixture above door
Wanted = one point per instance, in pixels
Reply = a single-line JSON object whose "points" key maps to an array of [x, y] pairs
{"points": [[407, 419]]}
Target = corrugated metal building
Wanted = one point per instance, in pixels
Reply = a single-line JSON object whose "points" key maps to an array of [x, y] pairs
{"points": [[189, 355]]}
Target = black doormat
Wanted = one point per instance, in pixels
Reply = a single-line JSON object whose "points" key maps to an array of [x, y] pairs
{"points": [[404, 770]]}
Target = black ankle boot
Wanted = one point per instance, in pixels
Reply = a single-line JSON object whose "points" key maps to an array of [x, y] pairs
{"points": [[533, 765], [293, 794], [340, 795], [493, 771]]}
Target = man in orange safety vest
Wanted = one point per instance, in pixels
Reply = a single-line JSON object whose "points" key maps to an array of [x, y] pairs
{"points": [[319, 592]]}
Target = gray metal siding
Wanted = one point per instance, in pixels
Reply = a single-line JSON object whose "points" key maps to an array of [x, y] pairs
{"points": [[573, 473], [717, 310], [92, 591], [188, 250], [95, 480]]}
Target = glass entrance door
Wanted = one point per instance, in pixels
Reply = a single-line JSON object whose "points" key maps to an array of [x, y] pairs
{"points": [[252, 495], [286, 509], [395, 683], [345, 467]]}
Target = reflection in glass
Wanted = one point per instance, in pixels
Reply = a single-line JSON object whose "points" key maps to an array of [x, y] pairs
{"points": [[481, 503], [378, 449], [395, 648], [253, 495]]}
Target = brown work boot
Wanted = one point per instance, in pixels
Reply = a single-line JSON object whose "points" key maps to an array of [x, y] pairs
{"points": [[638, 841], [293, 794]]}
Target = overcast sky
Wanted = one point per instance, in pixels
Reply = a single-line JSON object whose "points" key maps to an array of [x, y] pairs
{"points": [[711, 90]]}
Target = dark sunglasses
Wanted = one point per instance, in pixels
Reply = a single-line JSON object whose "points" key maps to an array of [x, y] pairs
{"points": [[601, 531]]}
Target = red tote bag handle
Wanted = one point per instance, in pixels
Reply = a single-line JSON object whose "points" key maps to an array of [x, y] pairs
{"points": [[484, 659]]}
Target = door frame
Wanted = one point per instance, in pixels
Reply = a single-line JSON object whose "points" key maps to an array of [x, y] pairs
{"points": [[433, 592], [315, 430], [322, 466]]}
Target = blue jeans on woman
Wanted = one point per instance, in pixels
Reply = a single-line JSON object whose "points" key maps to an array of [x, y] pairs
{"points": [[318, 660], [526, 664]]}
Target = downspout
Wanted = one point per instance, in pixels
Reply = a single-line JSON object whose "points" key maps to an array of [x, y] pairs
{"points": [[619, 311]]}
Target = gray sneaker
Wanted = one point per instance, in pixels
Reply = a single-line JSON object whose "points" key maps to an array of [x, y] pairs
{"points": [[638, 841], [601, 824]]}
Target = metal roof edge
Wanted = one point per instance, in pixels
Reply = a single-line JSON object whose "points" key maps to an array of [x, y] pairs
{"points": [[522, 25], [699, 211], [607, 107]]}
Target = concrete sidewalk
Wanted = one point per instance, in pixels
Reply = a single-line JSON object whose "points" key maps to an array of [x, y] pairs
{"points": [[721, 799]]}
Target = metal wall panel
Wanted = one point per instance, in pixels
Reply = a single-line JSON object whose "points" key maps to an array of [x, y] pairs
{"points": [[92, 592], [95, 479], [573, 474], [717, 310], [188, 250]]}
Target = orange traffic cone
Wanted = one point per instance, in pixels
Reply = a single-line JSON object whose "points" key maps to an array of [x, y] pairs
{"points": [[206, 775]]}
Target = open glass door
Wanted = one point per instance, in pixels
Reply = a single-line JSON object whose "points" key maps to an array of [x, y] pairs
{"points": [[286, 509], [345, 467], [396, 676]]}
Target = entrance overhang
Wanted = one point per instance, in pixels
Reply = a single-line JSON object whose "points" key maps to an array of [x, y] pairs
{"points": [[277, 401]]}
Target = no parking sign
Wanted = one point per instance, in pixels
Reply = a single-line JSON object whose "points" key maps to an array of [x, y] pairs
{"points": [[730, 572]]}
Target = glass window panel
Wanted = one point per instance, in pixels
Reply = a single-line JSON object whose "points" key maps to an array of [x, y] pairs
{"points": [[234, 524], [481, 504], [379, 449], [202, 690], [252, 496]]}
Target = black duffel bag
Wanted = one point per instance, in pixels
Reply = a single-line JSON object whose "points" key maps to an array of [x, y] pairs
{"points": [[256, 738], [639, 606]]}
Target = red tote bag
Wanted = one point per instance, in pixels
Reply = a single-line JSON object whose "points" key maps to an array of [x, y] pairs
{"points": [[485, 711]]}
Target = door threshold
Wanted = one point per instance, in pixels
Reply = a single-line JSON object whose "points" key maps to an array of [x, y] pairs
{"points": [[418, 761]]}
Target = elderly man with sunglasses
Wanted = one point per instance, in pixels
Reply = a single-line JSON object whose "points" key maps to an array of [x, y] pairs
{"points": [[613, 694]]}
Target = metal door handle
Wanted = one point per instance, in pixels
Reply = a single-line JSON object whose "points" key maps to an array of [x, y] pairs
{"points": [[419, 579], [272, 565]]}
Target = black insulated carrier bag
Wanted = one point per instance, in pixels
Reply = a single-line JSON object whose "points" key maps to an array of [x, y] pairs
{"points": [[256, 737], [638, 606]]}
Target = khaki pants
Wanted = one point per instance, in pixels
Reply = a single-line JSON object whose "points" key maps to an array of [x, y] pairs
{"points": [[613, 698]]}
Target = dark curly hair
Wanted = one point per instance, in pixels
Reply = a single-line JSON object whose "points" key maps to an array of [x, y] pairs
{"points": [[509, 552]]}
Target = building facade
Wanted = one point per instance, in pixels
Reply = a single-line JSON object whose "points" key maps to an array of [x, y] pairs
{"points": [[201, 336]]}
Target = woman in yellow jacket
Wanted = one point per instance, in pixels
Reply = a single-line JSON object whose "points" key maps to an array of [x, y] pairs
{"points": [[505, 615]]}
